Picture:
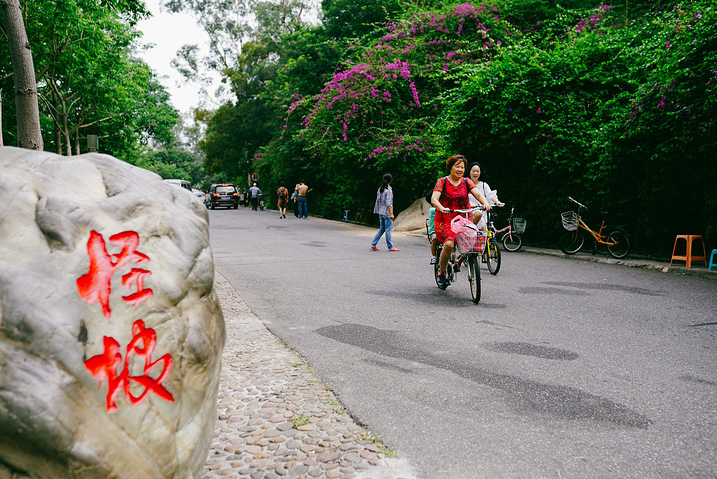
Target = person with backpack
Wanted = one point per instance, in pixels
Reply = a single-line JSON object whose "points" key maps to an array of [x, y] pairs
{"points": [[384, 209], [451, 193], [283, 194]]}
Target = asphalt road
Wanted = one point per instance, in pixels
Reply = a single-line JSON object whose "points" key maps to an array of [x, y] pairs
{"points": [[566, 369]]}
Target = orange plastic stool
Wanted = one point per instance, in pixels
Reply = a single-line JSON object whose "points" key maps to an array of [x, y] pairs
{"points": [[687, 257]]}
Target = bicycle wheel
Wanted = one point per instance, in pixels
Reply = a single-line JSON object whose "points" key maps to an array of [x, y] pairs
{"points": [[436, 270], [512, 242], [572, 242], [493, 256], [474, 277], [621, 246]]}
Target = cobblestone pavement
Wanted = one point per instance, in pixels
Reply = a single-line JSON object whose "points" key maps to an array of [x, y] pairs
{"points": [[276, 418]]}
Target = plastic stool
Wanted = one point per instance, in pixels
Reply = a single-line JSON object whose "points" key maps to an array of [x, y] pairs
{"points": [[688, 258], [712, 259]]}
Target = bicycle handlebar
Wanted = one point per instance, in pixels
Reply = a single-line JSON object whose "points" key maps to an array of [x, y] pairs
{"points": [[469, 210], [577, 202]]}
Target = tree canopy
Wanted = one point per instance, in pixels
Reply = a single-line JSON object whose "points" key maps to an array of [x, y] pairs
{"points": [[90, 80]]}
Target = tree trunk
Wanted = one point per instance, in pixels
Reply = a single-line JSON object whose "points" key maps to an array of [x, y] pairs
{"points": [[28, 112], [1, 142], [58, 139]]}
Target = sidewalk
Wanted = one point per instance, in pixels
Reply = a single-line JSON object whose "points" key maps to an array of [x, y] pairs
{"points": [[678, 267], [276, 418]]}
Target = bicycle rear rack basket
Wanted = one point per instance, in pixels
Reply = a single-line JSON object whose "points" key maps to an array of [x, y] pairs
{"points": [[570, 220], [519, 225]]}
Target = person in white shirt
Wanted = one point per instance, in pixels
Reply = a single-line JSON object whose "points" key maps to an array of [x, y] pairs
{"points": [[255, 192], [474, 171]]}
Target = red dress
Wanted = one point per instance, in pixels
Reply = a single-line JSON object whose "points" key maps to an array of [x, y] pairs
{"points": [[454, 198]]}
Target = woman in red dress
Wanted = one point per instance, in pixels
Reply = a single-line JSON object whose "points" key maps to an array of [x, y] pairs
{"points": [[451, 193]]}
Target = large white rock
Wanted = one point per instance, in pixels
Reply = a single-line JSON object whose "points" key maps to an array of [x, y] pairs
{"points": [[58, 341], [414, 217]]}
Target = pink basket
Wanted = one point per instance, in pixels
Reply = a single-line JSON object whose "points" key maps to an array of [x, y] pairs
{"points": [[466, 233]]}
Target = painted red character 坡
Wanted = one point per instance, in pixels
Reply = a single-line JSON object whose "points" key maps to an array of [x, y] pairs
{"points": [[138, 355]]}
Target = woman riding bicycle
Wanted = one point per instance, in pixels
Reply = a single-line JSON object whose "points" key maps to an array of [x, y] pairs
{"points": [[474, 171], [451, 193]]}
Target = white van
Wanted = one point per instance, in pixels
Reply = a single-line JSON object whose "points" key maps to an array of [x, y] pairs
{"points": [[181, 183]]}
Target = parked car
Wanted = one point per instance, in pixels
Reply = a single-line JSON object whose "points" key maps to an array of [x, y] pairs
{"points": [[200, 195], [223, 194]]}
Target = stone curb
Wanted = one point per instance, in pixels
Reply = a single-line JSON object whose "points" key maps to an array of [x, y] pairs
{"points": [[276, 418]]}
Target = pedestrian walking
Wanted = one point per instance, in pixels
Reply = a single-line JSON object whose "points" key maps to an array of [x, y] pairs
{"points": [[384, 209], [283, 194], [294, 198], [255, 192], [302, 190]]}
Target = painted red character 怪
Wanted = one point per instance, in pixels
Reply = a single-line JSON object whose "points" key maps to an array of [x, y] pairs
{"points": [[95, 286]]}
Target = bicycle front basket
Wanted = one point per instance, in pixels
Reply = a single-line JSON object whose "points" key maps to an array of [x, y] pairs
{"points": [[519, 225], [570, 220]]}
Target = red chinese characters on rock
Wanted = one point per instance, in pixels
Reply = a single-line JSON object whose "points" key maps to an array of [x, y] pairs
{"points": [[105, 366], [96, 286]]}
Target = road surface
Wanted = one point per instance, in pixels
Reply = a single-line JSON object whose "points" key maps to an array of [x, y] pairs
{"points": [[565, 369]]}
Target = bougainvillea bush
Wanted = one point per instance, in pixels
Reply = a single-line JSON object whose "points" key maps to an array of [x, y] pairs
{"points": [[378, 112]]}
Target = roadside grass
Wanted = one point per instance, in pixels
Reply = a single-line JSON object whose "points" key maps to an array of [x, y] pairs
{"points": [[337, 407]]}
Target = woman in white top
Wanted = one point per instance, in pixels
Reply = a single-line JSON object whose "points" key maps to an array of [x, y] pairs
{"points": [[474, 171]]}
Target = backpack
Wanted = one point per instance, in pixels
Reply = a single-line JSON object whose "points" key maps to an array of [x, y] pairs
{"points": [[430, 192]]}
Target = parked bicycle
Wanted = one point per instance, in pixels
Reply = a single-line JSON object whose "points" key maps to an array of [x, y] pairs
{"points": [[614, 237], [511, 239], [458, 260]]}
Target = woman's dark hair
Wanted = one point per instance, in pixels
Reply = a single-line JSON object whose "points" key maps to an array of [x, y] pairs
{"points": [[452, 160], [387, 178], [470, 167]]}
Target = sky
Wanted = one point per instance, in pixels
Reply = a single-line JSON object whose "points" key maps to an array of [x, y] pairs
{"points": [[168, 32]]}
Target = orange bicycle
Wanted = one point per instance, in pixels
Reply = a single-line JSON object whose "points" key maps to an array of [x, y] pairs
{"points": [[615, 238]]}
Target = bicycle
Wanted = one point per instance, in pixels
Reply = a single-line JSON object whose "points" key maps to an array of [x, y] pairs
{"points": [[511, 240], [491, 255], [616, 239], [457, 259]]}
